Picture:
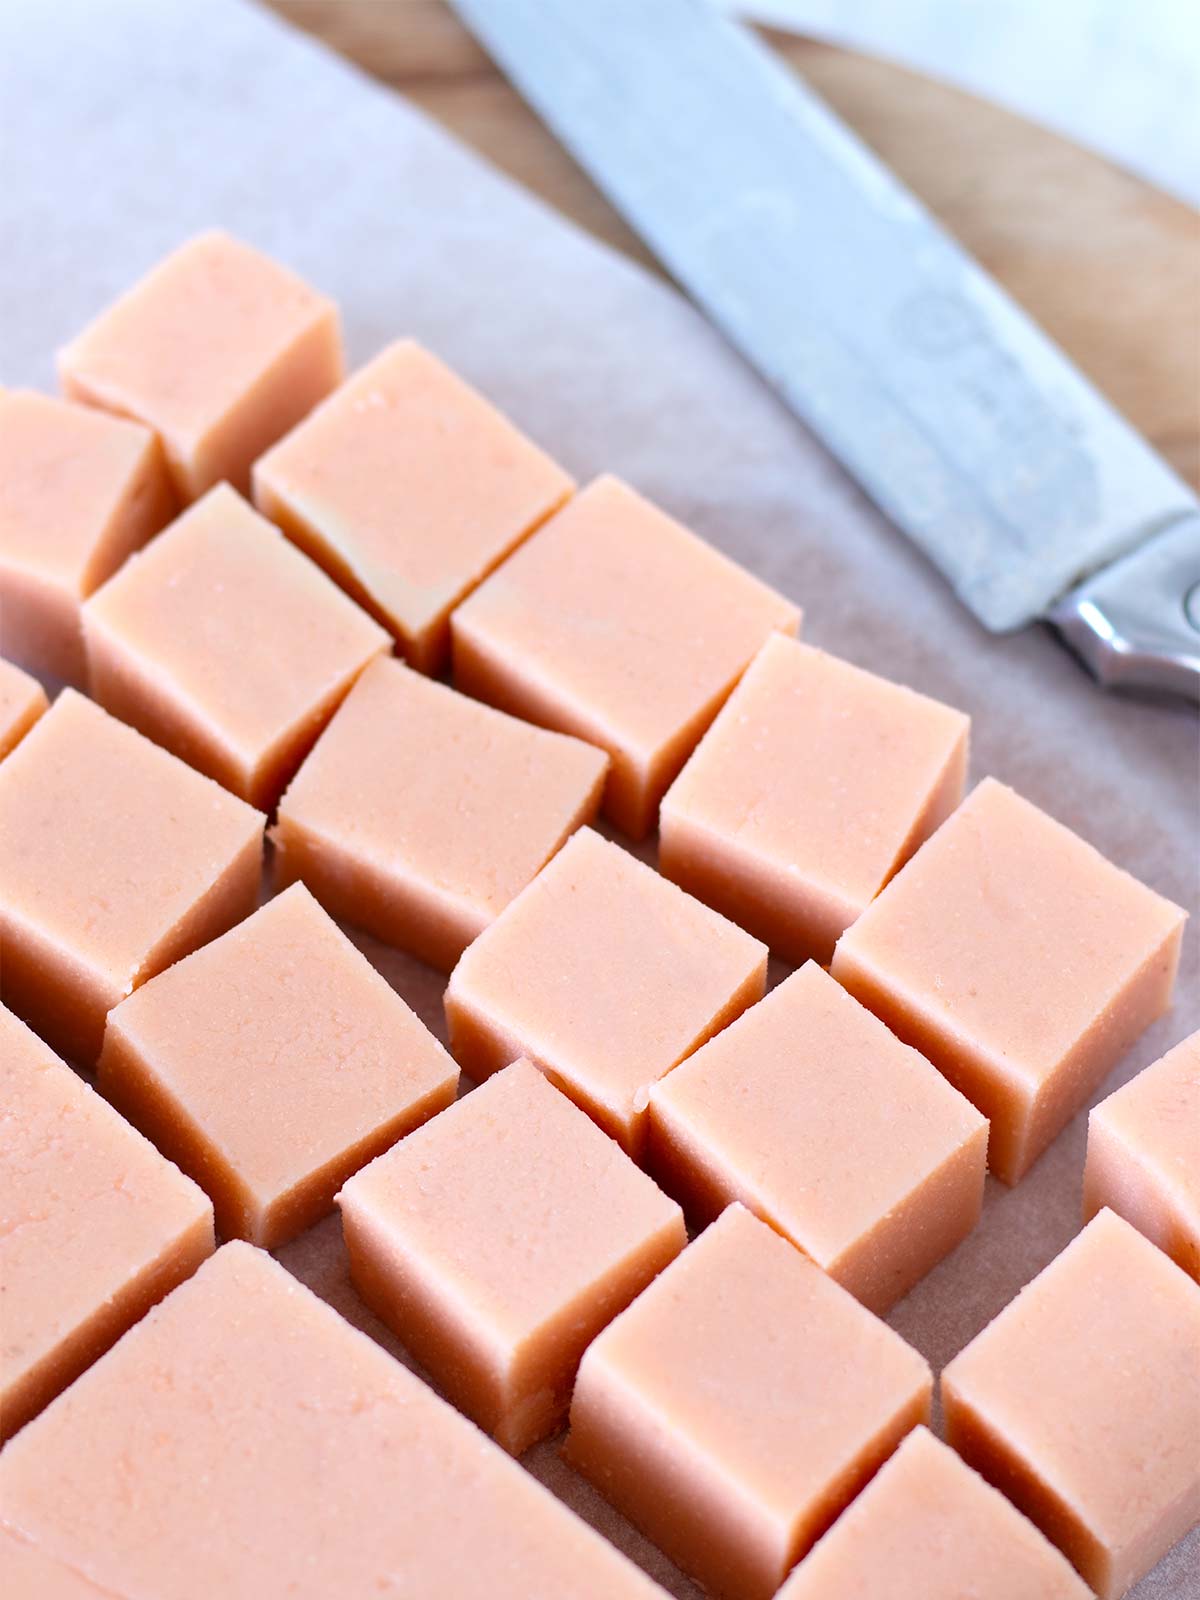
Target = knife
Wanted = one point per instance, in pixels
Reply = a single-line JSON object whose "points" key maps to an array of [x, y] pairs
{"points": [[964, 423]]}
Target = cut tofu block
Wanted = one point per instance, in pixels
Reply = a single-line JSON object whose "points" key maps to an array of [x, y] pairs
{"points": [[115, 860], [244, 1441], [219, 349], [606, 976], [271, 1065], [814, 784], [928, 1528], [94, 1225], [427, 862], [409, 487], [1019, 961], [617, 624], [739, 1403], [1143, 1154], [225, 644], [499, 1240], [22, 701], [813, 1115], [1081, 1400], [78, 492]]}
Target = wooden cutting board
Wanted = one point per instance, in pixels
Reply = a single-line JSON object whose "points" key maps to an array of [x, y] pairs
{"points": [[1109, 265]]}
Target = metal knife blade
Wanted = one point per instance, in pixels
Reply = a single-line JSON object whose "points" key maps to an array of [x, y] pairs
{"points": [[960, 418]]}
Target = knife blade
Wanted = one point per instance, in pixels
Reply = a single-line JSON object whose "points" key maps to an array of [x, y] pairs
{"points": [[968, 427]]}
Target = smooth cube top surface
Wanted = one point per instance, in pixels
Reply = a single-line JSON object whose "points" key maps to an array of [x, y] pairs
{"points": [[929, 1528], [742, 1347], [27, 1574], [1156, 1116], [235, 622], [326, 1467], [1092, 1376], [821, 767], [818, 1111], [415, 480], [515, 1198], [282, 1042], [86, 1203], [64, 473], [604, 969], [483, 799], [1010, 930], [619, 608], [106, 841], [195, 335]]}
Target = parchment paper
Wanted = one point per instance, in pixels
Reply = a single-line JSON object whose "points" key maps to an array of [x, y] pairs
{"points": [[127, 124]]}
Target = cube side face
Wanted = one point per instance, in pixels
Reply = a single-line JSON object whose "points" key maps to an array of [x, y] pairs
{"points": [[42, 628], [729, 1544], [1141, 1001], [470, 1363], [799, 919], [481, 669], [63, 997], [133, 689], [1003, 1099], [69, 1294], [1088, 1379], [80, 492], [547, 1366], [178, 1258], [986, 1449], [412, 916], [688, 1397], [928, 1525], [935, 1217], [22, 702], [966, 974], [145, 506], [1142, 1154], [1127, 1181], [281, 397], [133, 1082]]}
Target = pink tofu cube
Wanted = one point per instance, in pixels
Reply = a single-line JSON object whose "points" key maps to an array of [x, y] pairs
{"points": [[814, 784], [1143, 1154], [219, 349], [497, 1241], [409, 487], [79, 491], [739, 1403], [606, 976], [1019, 961], [223, 643], [617, 624]]}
